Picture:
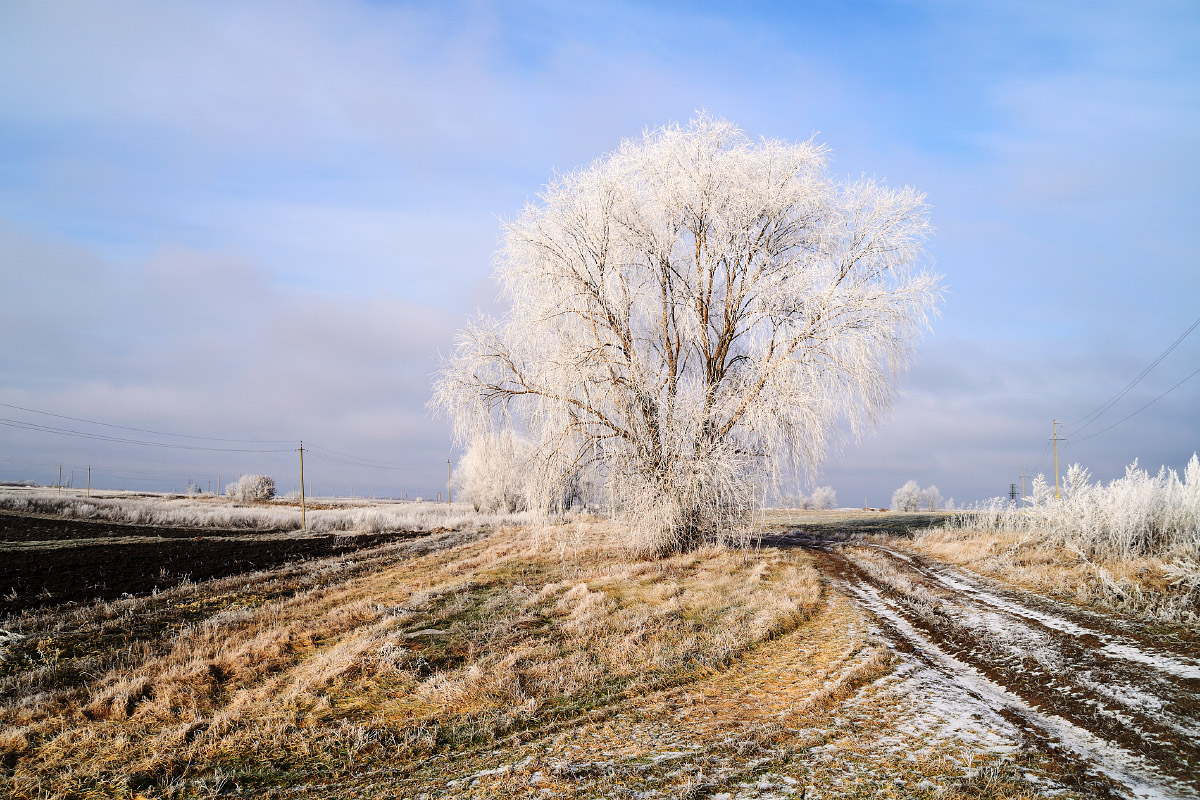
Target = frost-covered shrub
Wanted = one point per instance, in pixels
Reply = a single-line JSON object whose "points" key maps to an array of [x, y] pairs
{"points": [[800, 500], [493, 472], [1135, 515], [250, 488], [503, 474], [823, 497]]}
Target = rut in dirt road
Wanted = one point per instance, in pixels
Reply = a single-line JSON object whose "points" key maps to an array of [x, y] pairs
{"points": [[1124, 703]]}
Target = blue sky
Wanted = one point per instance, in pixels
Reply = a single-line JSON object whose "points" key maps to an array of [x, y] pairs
{"points": [[264, 221]]}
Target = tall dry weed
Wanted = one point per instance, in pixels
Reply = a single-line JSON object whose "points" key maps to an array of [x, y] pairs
{"points": [[1132, 544]]}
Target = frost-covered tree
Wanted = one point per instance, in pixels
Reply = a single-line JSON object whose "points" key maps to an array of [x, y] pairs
{"points": [[911, 497], [824, 498], [249, 488], [689, 314], [931, 498], [907, 497]]}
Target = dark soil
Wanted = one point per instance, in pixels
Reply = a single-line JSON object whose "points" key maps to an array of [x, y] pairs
{"points": [[17, 527], [62, 572]]}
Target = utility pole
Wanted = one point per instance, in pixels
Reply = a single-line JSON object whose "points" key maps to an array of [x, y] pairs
{"points": [[60, 478], [303, 520], [89, 480], [1023, 498], [1012, 493], [1056, 439], [447, 481]]}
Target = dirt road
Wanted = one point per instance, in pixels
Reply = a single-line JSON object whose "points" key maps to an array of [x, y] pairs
{"points": [[1120, 705]]}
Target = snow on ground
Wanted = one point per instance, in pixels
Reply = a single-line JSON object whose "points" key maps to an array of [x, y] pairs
{"points": [[1113, 645], [958, 693]]}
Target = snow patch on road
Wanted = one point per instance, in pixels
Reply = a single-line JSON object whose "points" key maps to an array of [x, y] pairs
{"points": [[1126, 769], [1178, 666]]}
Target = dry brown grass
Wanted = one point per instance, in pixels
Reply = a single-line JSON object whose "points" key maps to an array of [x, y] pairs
{"points": [[1146, 586], [317, 669]]}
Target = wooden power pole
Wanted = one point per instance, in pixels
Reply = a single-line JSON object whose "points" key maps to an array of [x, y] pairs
{"points": [[447, 481], [1056, 439], [303, 520]]}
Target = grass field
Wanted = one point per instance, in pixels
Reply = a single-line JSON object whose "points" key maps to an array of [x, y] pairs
{"points": [[501, 661]]}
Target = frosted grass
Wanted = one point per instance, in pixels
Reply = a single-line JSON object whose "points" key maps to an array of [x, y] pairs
{"points": [[181, 511], [1136, 515]]}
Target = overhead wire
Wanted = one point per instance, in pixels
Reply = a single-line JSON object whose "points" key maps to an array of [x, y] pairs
{"points": [[315, 450], [33, 426], [1140, 410], [1089, 419], [1042, 458], [353, 462], [146, 430], [104, 469]]}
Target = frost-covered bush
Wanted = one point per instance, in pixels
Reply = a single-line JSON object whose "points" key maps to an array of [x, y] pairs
{"points": [[493, 473], [251, 488], [823, 498], [502, 474], [1138, 514]]}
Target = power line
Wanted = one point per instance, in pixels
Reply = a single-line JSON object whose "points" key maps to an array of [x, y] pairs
{"points": [[1042, 457], [103, 469], [353, 462], [315, 450], [144, 430], [1095, 415], [1140, 410], [366, 462], [33, 426]]}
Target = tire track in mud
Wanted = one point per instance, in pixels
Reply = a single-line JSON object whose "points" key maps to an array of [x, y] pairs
{"points": [[1100, 694]]}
